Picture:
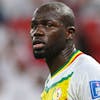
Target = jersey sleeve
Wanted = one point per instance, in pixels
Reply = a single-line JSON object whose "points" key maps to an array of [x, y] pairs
{"points": [[85, 85]]}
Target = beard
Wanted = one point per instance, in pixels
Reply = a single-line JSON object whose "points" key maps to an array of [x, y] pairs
{"points": [[53, 51], [48, 53], [39, 54]]}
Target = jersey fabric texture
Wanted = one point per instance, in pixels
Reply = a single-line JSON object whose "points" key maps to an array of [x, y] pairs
{"points": [[77, 79]]}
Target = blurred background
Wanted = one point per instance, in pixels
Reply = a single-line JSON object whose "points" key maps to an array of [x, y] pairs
{"points": [[21, 76]]}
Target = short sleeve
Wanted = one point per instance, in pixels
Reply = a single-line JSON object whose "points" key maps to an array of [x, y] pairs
{"points": [[85, 85]]}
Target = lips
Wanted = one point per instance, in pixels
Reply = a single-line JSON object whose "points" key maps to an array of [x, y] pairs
{"points": [[38, 44]]}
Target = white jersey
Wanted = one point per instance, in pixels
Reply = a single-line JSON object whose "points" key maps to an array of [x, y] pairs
{"points": [[78, 79]]}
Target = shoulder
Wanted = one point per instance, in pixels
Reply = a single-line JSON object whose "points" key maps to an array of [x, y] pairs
{"points": [[87, 63], [86, 75], [87, 67]]}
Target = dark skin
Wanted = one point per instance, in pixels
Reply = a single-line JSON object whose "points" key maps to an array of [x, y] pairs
{"points": [[52, 39]]}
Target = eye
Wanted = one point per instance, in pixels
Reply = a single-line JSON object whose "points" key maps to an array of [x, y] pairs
{"points": [[33, 25], [49, 24]]}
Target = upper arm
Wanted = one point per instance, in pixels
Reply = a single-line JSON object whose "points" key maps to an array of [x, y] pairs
{"points": [[85, 86]]}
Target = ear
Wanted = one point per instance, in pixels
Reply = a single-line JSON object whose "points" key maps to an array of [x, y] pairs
{"points": [[70, 32]]}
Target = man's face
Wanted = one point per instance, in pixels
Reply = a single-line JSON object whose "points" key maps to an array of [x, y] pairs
{"points": [[48, 34]]}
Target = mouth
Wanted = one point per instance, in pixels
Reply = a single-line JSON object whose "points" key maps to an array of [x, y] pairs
{"points": [[38, 44]]}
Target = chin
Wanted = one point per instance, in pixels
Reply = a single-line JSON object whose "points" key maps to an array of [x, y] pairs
{"points": [[39, 55]]}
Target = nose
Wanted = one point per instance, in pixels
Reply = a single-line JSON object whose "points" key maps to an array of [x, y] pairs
{"points": [[39, 31]]}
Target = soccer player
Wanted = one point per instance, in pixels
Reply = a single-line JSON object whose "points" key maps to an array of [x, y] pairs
{"points": [[73, 74]]}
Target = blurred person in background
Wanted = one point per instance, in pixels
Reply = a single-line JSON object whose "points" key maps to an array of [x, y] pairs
{"points": [[73, 74]]}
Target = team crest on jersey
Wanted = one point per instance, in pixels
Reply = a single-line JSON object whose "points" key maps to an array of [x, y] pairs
{"points": [[95, 89], [57, 94]]}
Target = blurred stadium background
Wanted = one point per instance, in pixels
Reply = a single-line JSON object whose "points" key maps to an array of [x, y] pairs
{"points": [[21, 76]]}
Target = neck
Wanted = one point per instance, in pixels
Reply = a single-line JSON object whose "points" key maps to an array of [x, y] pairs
{"points": [[55, 62]]}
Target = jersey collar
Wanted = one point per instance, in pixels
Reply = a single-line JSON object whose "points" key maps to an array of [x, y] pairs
{"points": [[73, 56]]}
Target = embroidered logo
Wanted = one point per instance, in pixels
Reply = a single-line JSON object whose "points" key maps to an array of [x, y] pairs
{"points": [[57, 94], [95, 89]]}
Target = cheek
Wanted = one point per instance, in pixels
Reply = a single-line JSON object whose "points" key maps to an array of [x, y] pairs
{"points": [[57, 37]]}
